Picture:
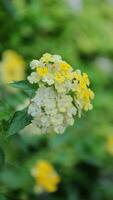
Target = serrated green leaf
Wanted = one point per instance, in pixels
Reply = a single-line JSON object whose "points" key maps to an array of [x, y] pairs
{"points": [[19, 121], [28, 88]]}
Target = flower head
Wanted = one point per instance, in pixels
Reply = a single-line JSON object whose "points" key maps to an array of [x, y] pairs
{"points": [[46, 177], [62, 94], [12, 67], [83, 94], [51, 65]]}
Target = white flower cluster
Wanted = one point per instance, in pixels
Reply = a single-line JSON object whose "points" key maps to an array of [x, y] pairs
{"points": [[52, 111], [62, 93]]}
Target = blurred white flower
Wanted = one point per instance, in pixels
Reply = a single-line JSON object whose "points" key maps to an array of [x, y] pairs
{"points": [[76, 4], [104, 64]]}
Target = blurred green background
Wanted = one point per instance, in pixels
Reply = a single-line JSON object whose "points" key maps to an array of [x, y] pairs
{"points": [[81, 31]]}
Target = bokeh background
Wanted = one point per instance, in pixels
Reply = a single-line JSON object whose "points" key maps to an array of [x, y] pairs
{"points": [[81, 31]]}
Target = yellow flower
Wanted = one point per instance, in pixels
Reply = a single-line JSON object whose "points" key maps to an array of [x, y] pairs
{"points": [[86, 79], [12, 67], [45, 176], [109, 145], [77, 76], [59, 77], [65, 70], [83, 79], [42, 71], [67, 75], [85, 94], [64, 66], [47, 58]]}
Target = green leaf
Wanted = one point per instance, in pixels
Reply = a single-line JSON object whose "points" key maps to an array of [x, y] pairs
{"points": [[4, 111], [2, 197], [15, 178], [28, 88], [19, 121]]}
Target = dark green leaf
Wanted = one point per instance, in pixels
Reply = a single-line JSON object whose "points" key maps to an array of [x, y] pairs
{"points": [[2, 158], [28, 88], [19, 121]]}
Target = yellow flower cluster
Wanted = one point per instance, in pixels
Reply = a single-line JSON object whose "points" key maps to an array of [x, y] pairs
{"points": [[52, 68], [12, 67], [83, 93], [62, 93], [46, 177]]}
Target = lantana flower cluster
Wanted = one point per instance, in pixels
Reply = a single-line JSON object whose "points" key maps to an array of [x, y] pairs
{"points": [[62, 93], [46, 177], [12, 67]]}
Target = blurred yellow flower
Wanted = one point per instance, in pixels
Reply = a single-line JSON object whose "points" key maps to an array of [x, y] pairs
{"points": [[45, 176], [109, 145], [12, 67]]}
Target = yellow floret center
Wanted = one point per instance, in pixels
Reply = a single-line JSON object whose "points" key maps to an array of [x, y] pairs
{"points": [[64, 66], [42, 71]]}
